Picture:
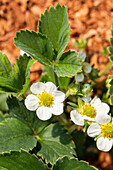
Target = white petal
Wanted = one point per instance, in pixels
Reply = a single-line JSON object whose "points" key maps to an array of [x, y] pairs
{"points": [[31, 102], [93, 130], [95, 101], [57, 109], [104, 144], [43, 113], [58, 96], [88, 118], [50, 87], [87, 67], [102, 119], [103, 108], [82, 56], [37, 88], [77, 118], [79, 77]]}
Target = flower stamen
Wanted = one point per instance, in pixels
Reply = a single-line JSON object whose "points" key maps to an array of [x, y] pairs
{"points": [[88, 111], [107, 130], [46, 99]]}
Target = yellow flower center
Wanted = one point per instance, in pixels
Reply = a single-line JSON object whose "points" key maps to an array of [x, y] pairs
{"points": [[46, 99], [88, 111], [107, 130]]}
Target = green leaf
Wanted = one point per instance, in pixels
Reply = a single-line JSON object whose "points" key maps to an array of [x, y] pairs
{"points": [[15, 80], [110, 49], [50, 73], [111, 40], [36, 45], [111, 82], [111, 100], [71, 164], [78, 134], [94, 74], [18, 110], [54, 24], [68, 65], [111, 90], [63, 82], [55, 143], [5, 66], [111, 57], [15, 135], [1, 117], [112, 32], [3, 104], [21, 161], [44, 78]]}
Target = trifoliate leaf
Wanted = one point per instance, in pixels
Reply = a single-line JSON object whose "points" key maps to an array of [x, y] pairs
{"points": [[55, 143], [71, 164], [15, 80], [20, 161], [18, 110], [36, 45], [54, 24], [68, 65], [15, 135]]}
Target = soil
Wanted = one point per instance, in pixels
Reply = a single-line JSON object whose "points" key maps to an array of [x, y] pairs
{"points": [[91, 19]]}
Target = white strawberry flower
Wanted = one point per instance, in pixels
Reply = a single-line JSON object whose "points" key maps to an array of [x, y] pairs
{"points": [[103, 132], [90, 112], [45, 99]]}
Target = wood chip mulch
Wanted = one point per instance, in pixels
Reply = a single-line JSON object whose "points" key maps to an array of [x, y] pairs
{"points": [[91, 19]]}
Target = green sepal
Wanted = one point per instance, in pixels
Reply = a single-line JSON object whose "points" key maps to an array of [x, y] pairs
{"points": [[80, 103], [72, 104], [74, 88]]}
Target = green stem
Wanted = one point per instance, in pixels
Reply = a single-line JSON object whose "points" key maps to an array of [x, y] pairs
{"points": [[55, 78], [67, 94], [72, 128], [106, 69]]}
